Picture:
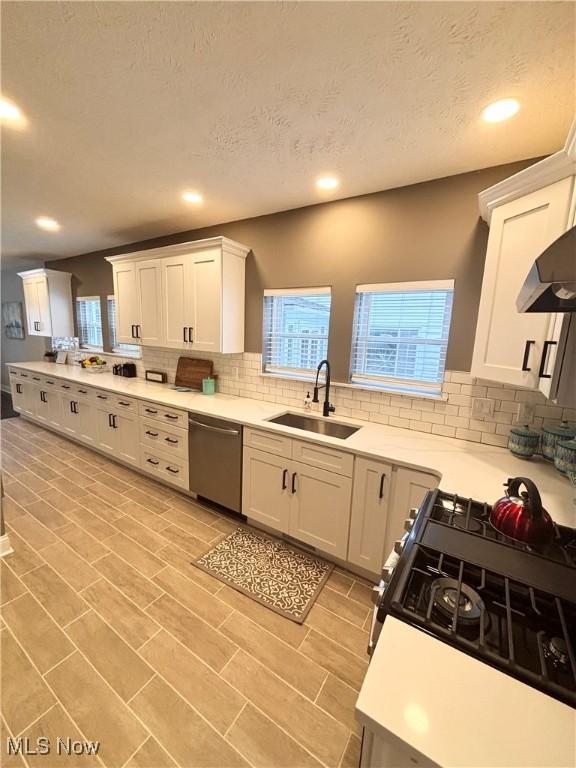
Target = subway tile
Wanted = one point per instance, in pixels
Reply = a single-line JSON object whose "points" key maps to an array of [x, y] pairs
{"points": [[468, 434]]}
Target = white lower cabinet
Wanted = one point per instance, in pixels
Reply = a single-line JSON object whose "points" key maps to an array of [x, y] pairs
{"points": [[369, 517], [48, 406], [117, 434], [320, 508], [266, 488], [310, 504]]}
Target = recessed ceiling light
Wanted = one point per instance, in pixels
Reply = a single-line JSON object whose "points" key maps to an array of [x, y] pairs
{"points": [[193, 197], [10, 113], [327, 182], [500, 110], [50, 225]]}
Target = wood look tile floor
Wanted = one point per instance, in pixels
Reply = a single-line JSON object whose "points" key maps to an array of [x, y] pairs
{"points": [[109, 634]]}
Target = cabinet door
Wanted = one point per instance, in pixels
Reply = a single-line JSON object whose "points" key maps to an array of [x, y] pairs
{"points": [[149, 287], [177, 300], [45, 314], [320, 508], [408, 490], [126, 429], [105, 432], [370, 499], [127, 303], [509, 344], [17, 388], [48, 407], [87, 422], [69, 420], [32, 306], [206, 302], [266, 488]]}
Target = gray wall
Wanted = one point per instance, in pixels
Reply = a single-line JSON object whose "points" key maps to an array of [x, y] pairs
{"points": [[15, 350], [427, 231]]}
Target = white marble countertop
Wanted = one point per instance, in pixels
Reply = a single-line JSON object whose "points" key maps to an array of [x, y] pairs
{"points": [[469, 469], [456, 711]]}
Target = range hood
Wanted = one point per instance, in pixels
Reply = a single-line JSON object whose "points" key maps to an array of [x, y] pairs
{"points": [[551, 283]]}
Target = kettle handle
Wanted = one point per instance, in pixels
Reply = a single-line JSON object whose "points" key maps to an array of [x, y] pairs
{"points": [[513, 488]]}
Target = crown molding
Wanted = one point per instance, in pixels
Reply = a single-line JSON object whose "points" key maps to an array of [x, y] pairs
{"points": [[547, 171], [228, 246]]}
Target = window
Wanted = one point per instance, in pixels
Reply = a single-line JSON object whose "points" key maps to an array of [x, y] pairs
{"points": [[295, 329], [400, 335], [129, 349], [89, 322]]}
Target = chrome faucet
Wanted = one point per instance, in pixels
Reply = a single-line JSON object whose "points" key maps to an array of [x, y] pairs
{"points": [[327, 407]]}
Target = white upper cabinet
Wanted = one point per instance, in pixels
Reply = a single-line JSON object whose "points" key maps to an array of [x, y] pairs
{"points": [[188, 296], [48, 299], [510, 346]]}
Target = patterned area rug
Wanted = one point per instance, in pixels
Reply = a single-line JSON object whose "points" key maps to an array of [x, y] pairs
{"points": [[275, 574]]}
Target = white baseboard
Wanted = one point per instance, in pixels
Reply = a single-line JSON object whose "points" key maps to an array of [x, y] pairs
{"points": [[5, 546]]}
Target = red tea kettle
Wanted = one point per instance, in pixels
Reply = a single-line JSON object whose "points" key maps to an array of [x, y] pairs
{"points": [[520, 515]]}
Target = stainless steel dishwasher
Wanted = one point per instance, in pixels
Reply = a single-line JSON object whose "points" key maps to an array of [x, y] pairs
{"points": [[216, 460]]}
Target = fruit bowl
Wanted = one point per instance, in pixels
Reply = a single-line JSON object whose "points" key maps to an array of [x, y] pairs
{"points": [[94, 364]]}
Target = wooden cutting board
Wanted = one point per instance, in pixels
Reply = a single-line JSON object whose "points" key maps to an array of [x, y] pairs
{"points": [[191, 370]]}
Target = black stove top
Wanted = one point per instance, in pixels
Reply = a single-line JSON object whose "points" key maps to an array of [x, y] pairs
{"points": [[507, 604]]}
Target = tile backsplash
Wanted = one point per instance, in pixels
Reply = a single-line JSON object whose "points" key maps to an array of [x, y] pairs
{"points": [[241, 375]]}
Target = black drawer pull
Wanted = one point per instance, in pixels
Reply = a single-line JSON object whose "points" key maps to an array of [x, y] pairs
{"points": [[122, 402], [169, 416], [152, 434], [49, 382], [525, 366], [102, 397], [544, 359], [36, 378], [293, 482], [171, 440], [381, 490], [174, 471], [150, 410], [151, 461], [24, 375], [19, 388], [284, 479], [65, 386], [83, 391]]}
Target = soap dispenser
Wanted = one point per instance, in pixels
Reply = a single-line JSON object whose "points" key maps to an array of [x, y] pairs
{"points": [[308, 402]]}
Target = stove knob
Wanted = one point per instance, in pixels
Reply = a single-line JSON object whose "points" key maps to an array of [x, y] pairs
{"points": [[398, 546], [408, 524], [413, 513]]}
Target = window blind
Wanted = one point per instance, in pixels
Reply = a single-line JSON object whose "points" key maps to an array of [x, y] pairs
{"points": [[400, 335], [89, 322], [115, 346], [296, 324]]}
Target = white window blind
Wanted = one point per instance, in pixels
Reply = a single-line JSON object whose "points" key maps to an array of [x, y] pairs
{"points": [[131, 349], [400, 335], [296, 324], [89, 322]]}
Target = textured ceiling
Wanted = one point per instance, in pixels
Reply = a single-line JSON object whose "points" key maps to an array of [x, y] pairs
{"points": [[131, 103]]}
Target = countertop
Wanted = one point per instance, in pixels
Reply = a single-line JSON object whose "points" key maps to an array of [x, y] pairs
{"points": [[469, 469], [456, 711]]}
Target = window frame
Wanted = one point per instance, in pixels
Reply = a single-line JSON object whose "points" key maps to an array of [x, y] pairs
{"points": [[90, 347], [400, 385], [288, 372], [116, 350]]}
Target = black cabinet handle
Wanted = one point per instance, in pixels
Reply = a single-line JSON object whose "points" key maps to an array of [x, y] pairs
{"points": [[42, 396], [151, 461], [110, 420], [114, 421], [36, 378], [191, 335], [150, 410], [184, 332], [24, 375], [169, 416], [544, 360], [133, 334], [102, 397], [83, 391], [293, 482], [138, 332], [284, 479], [65, 386], [381, 490], [122, 402], [171, 440], [525, 366], [49, 382], [152, 434], [19, 388], [75, 408], [71, 406], [174, 471]]}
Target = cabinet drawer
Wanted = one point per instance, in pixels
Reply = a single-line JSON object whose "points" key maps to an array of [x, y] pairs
{"points": [[167, 415], [35, 378], [315, 455], [171, 440], [271, 442], [82, 392], [126, 404], [50, 382], [171, 469]]}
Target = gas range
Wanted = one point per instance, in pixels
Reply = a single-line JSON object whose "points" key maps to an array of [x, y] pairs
{"points": [[505, 603]]}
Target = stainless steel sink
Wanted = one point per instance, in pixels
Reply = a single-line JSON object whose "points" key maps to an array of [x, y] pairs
{"points": [[312, 424]]}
